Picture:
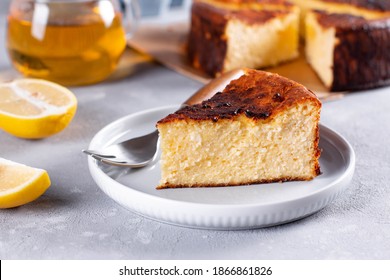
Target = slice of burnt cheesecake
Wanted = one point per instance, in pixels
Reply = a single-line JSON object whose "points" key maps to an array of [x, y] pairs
{"points": [[261, 128], [229, 34], [348, 42]]}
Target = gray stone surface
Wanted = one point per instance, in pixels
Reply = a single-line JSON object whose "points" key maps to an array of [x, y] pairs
{"points": [[75, 220]]}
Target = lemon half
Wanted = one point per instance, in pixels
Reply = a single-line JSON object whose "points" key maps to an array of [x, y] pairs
{"points": [[20, 184], [33, 108]]}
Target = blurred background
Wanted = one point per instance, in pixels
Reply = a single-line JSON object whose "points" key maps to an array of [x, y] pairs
{"points": [[152, 11], [153, 8]]}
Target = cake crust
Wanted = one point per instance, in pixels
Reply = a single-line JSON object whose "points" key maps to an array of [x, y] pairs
{"points": [[279, 180], [276, 94], [206, 22], [380, 5]]}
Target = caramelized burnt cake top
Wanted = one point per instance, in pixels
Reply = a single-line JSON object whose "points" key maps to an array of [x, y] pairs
{"points": [[375, 5], [345, 21], [257, 94]]}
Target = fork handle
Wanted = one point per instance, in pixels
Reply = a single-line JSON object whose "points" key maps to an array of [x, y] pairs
{"points": [[214, 86]]}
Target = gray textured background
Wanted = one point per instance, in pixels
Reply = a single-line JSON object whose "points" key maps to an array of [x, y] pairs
{"points": [[75, 220]]}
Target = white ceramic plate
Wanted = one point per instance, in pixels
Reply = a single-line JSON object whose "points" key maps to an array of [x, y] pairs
{"points": [[241, 207]]}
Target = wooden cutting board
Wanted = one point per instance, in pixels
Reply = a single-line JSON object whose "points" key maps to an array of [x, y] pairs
{"points": [[166, 44]]}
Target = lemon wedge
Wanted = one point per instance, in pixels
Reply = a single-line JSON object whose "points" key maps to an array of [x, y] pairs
{"points": [[20, 184], [33, 108]]}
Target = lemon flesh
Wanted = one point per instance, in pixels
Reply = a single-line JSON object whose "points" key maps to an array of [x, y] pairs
{"points": [[33, 108], [20, 184]]}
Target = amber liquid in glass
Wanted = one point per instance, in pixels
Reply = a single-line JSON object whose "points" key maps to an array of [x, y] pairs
{"points": [[79, 53]]}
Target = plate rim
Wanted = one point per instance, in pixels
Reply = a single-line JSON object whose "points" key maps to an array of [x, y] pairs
{"points": [[98, 175]]}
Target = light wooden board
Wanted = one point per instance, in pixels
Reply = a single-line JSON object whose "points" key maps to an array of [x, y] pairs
{"points": [[166, 44]]}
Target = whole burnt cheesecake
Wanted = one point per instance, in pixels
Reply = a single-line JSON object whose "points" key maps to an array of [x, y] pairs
{"points": [[348, 52], [261, 128], [229, 34], [347, 41]]}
